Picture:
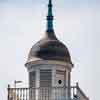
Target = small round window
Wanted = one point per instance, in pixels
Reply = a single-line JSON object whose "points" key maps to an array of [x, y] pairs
{"points": [[60, 81]]}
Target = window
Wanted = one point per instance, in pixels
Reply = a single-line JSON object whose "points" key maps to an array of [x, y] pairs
{"points": [[32, 79]]}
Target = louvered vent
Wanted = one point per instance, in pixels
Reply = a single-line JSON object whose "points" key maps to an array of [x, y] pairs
{"points": [[45, 78]]}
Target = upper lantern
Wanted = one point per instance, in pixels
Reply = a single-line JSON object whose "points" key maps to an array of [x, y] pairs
{"points": [[49, 47]]}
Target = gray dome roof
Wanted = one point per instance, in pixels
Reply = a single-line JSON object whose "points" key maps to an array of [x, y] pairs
{"points": [[49, 48]]}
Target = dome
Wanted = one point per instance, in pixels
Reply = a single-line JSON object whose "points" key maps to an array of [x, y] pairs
{"points": [[49, 48]]}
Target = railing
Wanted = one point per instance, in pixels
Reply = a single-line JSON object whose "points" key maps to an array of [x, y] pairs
{"points": [[43, 93]]}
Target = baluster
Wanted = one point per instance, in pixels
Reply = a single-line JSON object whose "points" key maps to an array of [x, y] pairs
{"points": [[26, 93], [8, 92], [32, 90], [45, 93], [20, 94], [73, 91], [41, 93], [23, 94], [48, 93], [14, 93]]}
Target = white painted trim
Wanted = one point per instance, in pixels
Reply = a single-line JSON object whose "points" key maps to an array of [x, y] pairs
{"points": [[37, 83], [53, 77], [49, 62]]}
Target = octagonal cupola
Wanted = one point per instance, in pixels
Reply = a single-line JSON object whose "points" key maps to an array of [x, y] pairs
{"points": [[49, 62]]}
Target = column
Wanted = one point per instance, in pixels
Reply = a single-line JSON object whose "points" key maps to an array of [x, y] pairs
{"points": [[37, 83]]}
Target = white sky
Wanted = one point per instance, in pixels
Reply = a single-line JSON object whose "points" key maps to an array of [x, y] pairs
{"points": [[77, 24]]}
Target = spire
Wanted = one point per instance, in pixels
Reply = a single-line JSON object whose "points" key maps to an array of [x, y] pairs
{"points": [[50, 18]]}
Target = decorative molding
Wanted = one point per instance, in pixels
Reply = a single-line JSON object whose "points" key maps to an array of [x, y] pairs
{"points": [[49, 62]]}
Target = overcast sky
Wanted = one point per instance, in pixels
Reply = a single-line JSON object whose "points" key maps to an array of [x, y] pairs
{"points": [[77, 24]]}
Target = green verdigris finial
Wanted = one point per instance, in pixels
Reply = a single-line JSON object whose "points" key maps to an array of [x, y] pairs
{"points": [[50, 18]]}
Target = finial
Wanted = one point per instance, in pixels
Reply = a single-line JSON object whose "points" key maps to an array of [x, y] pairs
{"points": [[8, 86], [50, 18]]}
